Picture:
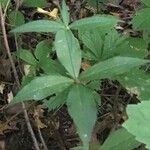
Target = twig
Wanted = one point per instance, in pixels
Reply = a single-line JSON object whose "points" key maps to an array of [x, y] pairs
{"points": [[42, 139], [6, 7], [2, 17], [115, 106]]}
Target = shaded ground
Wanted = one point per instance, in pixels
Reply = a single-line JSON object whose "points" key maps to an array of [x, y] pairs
{"points": [[57, 127]]}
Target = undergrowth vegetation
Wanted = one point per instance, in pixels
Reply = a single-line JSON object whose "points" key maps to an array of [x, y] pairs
{"points": [[87, 51]]}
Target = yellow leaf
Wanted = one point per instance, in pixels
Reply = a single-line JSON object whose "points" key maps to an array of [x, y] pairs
{"points": [[40, 10], [52, 14], [39, 123], [27, 69]]}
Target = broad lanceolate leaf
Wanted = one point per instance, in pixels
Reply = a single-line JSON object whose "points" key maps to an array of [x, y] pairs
{"points": [[141, 21], [82, 108], [68, 51], [40, 26], [58, 101], [26, 56], [136, 82], [120, 140], [146, 2], [111, 67], [95, 21], [42, 87], [65, 13], [139, 122]]}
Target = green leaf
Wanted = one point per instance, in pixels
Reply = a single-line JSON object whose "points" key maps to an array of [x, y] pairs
{"points": [[42, 50], [35, 3], [141, 19], [112, 43], [27, 79], [138, 122], [64, 13], [111, 67], [120, 140], [146, 36], [135, 47], [146, 2], [95, 85], [16, 18], [136, 82], [92, 40], [58, 101], [26, 56], [81, 104], [51, 67], [68, 51], [39, 26], [106, 44], [95, 21], [97, 98], [127, 47], [42, 87]]}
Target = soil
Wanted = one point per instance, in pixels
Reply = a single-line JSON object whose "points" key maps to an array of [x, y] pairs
{"points": [[57, 127]]}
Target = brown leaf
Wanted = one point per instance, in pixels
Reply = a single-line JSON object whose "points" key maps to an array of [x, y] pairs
{"points": [[4, 126], [37, 113], [85, 65]]}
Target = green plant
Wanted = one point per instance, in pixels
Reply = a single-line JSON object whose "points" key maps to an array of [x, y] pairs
{"points": [[62, 76], [138, 122], [141, 20]]}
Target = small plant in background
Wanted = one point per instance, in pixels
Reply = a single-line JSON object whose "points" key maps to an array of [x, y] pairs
{"points": [[138, 82], [111, 55]]}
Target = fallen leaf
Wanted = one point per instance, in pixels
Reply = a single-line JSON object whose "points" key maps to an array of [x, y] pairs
{"points": [[10, 97], [3, 127], [37, 114], [27, 69], [2, 86], [85, 66]]}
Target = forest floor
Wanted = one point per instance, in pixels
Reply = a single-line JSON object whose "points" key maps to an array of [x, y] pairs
{"points": [[57, 127]]}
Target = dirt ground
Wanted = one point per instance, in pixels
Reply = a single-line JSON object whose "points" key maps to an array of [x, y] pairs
{"points": [[57, 127]]}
